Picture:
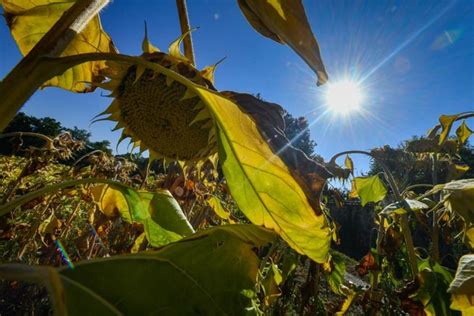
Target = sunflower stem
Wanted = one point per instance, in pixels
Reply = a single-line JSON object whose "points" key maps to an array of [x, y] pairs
{"points": [[436, 230], [30, 73], [30, 134], [398, 197], [10, 206], [184, 23]]}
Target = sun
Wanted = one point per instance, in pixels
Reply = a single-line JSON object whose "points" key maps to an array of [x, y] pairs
{"points": [[343, 97]]}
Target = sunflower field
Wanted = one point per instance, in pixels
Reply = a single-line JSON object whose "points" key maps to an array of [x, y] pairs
{"points": [[226, 216]]}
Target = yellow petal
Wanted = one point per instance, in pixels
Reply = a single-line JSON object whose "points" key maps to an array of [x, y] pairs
{"points": [[208, 72], [148, 47], [174, 49]]}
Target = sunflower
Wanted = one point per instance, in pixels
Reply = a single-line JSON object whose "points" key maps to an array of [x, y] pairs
{"points": [[160, 114]]}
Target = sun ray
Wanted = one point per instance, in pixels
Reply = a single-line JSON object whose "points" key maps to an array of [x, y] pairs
{"points": [[405, 43]]}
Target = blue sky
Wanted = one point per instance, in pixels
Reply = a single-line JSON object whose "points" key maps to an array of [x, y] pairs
{"points": [[415, 60]]}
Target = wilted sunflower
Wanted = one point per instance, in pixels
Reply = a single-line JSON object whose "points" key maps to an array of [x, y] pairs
{"points": [[159, 114]]}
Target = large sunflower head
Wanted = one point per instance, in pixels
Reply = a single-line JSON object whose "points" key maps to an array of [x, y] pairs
{"points": [[159, 114]]}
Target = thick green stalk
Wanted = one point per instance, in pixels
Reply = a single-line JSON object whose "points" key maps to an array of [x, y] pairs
{"points": [[409, 244], [415, 186], [29, 134], [435, 232], [30, 73]]}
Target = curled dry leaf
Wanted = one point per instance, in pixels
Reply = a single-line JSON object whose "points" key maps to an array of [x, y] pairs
{"points": [[285, 21], [366, 264], [24, 16], [446, 122], [459, 198], [462, 287], [463, 133]]}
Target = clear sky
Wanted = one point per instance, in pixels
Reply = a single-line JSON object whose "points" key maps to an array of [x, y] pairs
{"points": [[414, 59]]}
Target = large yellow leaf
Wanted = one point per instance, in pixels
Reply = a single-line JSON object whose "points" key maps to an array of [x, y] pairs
{"points": [[262, 184], [462, 287], [259, 180], [30, 20], [308, 173], [285, 21], [369, 189]]}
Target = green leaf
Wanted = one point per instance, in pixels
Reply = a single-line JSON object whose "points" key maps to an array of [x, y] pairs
{"points": [[277, 274], [462, 287], [217, 207], [289, 264], [139, 244], [446, 122], [336, 275], [270, 284], [285, 21], [49, 225], [463, 133], [212, 272], [432, 293], [159, 212], [29, 21], [261, 183], [43, 275], [369, 189]]}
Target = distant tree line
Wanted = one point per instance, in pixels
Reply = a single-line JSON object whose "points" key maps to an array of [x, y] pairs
{"points": [[49, 127], [408, 170]]}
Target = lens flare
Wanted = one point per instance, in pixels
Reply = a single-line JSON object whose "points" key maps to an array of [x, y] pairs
{"points": [[64, 254], [343, 97]]}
